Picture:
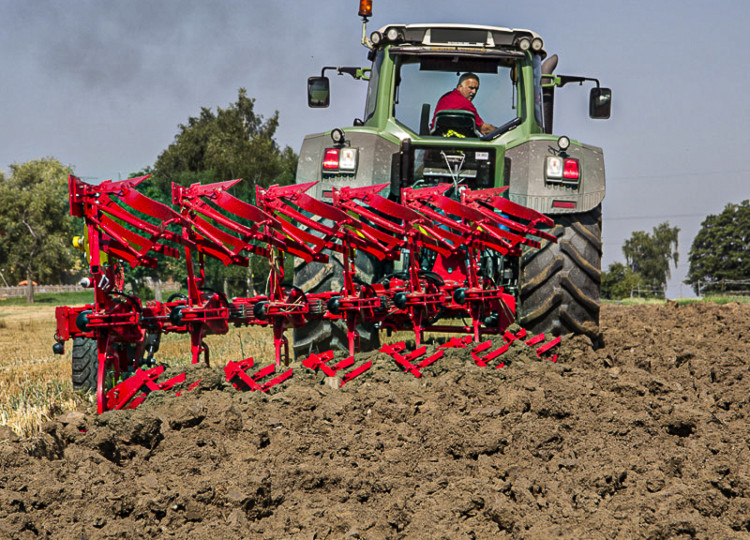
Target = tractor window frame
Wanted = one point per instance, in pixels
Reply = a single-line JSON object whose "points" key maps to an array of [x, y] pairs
{"points": [[536, 63], [371, 101]]}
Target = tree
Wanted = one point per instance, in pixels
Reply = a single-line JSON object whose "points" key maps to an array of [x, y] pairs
{"points": [[720, 253], [650, 255], [619, 281], [231, 143], [35, 226]]}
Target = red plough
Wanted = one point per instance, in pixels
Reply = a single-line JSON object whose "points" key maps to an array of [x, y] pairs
{"points": [[405, 361], [317, 362], [236, 373], [509, 338], [453, 233], [123, 394]]}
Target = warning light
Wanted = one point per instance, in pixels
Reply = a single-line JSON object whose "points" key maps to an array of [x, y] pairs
{"points": [[365, 8], [567, 170]]}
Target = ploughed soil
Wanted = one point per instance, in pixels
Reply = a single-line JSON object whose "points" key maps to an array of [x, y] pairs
{"points": [[638, 432]]}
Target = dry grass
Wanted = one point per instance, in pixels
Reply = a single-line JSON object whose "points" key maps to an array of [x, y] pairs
{"points": [[35, 384]]}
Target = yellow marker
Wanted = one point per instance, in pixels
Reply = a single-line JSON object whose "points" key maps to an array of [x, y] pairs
{"points": [[451, 133], [79, 243]]}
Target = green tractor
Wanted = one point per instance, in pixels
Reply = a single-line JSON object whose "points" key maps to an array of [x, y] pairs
{"points": [[407, 138]]}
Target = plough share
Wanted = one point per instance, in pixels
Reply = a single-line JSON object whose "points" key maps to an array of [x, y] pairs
{"points": [[451, 229]]}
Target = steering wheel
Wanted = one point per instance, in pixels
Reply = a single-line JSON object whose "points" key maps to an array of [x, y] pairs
{"points": [[495, 133]]}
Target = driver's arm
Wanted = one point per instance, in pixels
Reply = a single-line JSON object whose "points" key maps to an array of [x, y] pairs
{"points": [[486, 128]]}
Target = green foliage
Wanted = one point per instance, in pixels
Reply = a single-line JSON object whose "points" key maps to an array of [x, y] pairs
{"points": [[84, 296], [36, 228], [719, 300], [230, 143], [35, 225], [619, 282], [720, 253], [650, 255]]}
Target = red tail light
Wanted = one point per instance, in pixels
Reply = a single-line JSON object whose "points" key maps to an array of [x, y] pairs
{"points": [[570, 169], [563, 204], [331, 159]]}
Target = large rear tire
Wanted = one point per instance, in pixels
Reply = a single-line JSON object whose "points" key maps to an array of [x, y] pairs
{"points": [[324, 334], [84, 364], [559, 283]]}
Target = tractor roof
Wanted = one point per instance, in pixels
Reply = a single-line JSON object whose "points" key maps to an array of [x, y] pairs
{"points": [[464, 36]]}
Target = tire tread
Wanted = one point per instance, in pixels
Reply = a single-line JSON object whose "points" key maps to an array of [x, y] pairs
{"points": [[84, 362], [559, 283]]}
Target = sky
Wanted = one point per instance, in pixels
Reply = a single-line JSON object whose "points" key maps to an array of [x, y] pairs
{"points": [[103, 86]]}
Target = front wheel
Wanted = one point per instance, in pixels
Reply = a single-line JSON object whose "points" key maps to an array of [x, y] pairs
{"points": [[559, 283]]}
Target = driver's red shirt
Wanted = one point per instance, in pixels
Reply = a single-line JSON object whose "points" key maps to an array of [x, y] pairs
{"points": [[454, 100]]}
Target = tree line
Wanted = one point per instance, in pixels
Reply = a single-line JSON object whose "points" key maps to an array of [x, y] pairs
{"points": [[234, 142], [36, 228], [719, 258]]}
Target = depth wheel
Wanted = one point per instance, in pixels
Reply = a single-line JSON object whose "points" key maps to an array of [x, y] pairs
{"points": [[84, 364], [559, 283]]}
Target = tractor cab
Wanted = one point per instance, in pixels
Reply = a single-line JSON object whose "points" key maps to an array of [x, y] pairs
{"points": [[500, 136], [413, 67], [428, 67]]}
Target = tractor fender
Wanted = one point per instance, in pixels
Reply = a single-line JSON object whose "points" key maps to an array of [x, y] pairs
{"points": [[528, 187], [374, 161]]}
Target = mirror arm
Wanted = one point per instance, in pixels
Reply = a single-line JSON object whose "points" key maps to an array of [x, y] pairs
{"points": [[323, 71], [355, 72], [562, 80]]}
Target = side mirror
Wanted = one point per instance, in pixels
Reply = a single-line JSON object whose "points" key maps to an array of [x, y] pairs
{"points": [[318, 92], [600, 102]]}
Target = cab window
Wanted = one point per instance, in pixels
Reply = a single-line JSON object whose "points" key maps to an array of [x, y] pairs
{"points": [[424, 80]]}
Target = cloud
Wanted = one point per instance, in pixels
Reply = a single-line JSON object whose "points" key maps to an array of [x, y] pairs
{"points": [[113, 46]]}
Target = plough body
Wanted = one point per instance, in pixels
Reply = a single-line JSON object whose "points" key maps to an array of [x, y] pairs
{"points": [[451, 230]]}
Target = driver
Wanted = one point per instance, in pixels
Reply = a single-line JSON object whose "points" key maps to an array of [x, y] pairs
{"points": [[461, 98]]}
